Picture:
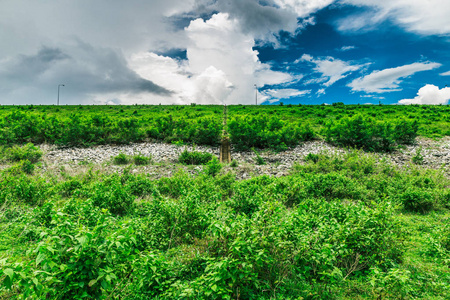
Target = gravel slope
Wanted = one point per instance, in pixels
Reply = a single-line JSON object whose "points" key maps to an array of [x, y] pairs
{"points": [[436, 155]]}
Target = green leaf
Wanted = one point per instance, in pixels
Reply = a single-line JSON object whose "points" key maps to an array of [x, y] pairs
{"points": [[40, 258], [92, 282], [35, 281], [7, 282], [9, 272]]}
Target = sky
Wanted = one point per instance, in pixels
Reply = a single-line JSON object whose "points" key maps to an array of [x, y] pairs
{"points": [[224, 51]]}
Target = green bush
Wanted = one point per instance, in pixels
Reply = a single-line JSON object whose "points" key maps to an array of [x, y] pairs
{"points": [[258, 160], [267, 132], [371, 135], [312, 157], [23, 166], [112, 195], [28, 152], [121, 159], [140, 160], [418, 157], [213, 167], [417, 200], [73, 261], [194, 157]]}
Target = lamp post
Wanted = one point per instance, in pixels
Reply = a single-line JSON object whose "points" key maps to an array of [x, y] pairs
{"points": [[256, 94], [59, 85]]}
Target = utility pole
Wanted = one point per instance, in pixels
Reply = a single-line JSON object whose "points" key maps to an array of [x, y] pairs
{"points": [[256, 95], [59, 85]]}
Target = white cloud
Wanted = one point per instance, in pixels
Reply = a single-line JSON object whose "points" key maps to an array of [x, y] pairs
{"points": [[331, 69], [388, 80], [429, 94], [347, 48], [421, 16], [303, 8], [320, 92], [445, 73], [221, 65], [284, 93]]}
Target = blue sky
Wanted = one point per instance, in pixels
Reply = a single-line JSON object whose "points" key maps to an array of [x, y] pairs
{"points": [[386, 46], [216, 51]]}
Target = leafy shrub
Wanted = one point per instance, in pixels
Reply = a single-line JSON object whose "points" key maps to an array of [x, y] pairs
{"points": [[213, 167], [266, 132], [194, 157], [365, 133], [84, 261], [67, 188], [140, 160], [418, 157], [141, 186], [121, 159], [23, 166], [417, 200], [258, 160], [28, 152], [312, 157], [111, 194]]}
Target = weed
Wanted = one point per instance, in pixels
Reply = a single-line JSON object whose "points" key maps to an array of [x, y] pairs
{"points": [[194, 157], [140, 159], [121, 159], [418, 157]]}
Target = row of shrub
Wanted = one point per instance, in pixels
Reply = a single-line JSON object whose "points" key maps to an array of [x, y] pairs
{"points": [[19, 127], [267, 132], [357, 131], [369, 134]]}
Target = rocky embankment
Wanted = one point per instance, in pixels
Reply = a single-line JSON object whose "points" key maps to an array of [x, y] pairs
{"points": [[436, 154]]}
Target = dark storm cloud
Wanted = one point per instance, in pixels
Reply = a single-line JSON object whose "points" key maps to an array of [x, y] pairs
{"points": [[261, 18], [258, 18], [82, 67], [28, 67]]}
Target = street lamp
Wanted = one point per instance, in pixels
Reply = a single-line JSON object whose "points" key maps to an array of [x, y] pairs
{"points": [[59, 85]]}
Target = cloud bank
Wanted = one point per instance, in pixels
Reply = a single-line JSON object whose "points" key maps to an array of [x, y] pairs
{"points": [[107, 51]]}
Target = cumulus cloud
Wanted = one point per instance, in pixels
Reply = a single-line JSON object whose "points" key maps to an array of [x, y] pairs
{"points": [[331, 69], [221, 65], [388, 80], [429, 94], [424, 17]]}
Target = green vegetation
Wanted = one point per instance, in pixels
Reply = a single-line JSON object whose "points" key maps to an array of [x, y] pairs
{"points": [[95, 125], [194, 157], [27, 152], [338, 227], [121, 159], [371, 135], [140, 160], [344, 226], [371, 127], [258, 160]]}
